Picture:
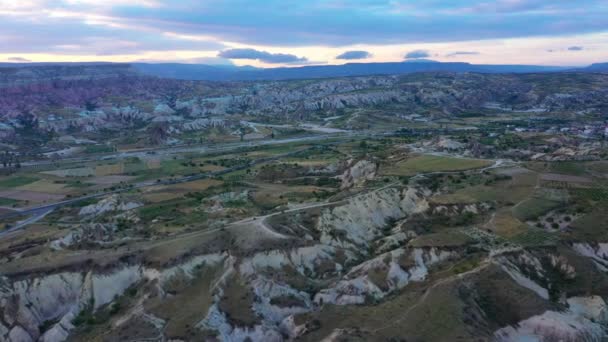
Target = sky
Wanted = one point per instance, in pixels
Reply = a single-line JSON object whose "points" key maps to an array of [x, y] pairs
{"points": [[272, 33]]}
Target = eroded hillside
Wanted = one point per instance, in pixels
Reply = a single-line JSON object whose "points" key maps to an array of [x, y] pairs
{"points": [[357, 240]]}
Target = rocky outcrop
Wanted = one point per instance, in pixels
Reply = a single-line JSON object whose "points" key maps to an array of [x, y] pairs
{"points": [[584, 321], [358, 222], [112, 203], [94, 233], [379, 276], [597, 252], [305, 260], [358, 172], [27, 305], [217, 321]]}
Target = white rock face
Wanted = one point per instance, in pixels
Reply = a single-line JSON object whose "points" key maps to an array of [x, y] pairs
{"points": [[358, 173], [514, 269], [449, 144], [30, 303], [163, 109], [18, 334], [303, 259], [355, 224], [356, 286], [599, 253], [108, 204], [582, 322], [291, 329], [60, 331], [86, 232], [25, 305], [199, 124], [108, 286], [187, 268], [216, 320], [266, 290], [593, 308]]}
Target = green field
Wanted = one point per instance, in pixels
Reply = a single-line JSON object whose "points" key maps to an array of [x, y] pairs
{"points": [[99, 149], [14, 182], [591, 227], [446, 238], [7, 201], [532, 208], [429, 163]]}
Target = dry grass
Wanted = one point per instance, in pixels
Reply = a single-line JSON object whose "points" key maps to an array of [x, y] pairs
{"points": [[172, 249], [188, 304], [45, 185], [112, 169], [32, 196], [153, 164], [504, 192], [237, 303], [198, 185], [109, 180], [504, 224], [211, 168], [77, 172], [430, 163], [161, 196], [443, 239]]}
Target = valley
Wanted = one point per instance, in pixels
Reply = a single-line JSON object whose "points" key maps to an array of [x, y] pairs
{"points": [[433, 206]]}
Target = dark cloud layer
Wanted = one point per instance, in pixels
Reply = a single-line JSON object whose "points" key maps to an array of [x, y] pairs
{"points": [[462, 53], [356, 54], [18, 59], [575, 48], [131, 27], [417, 54], [339, 23], [262, 56]]}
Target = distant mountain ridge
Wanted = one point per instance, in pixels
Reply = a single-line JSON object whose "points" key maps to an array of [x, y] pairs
{"points": [[249, 73], [18, 74], [224, 73], [597, 67]]}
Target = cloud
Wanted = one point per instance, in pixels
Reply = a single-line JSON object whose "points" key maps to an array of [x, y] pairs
{"points": [[462, 53], [140, 27], [512, 6], [417, 54], [377, 21], [18, 60], [69, 36], [355, 54], [262, 56], [576, 48]]}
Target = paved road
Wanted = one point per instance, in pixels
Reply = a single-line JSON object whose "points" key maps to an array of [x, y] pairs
{"points": [[36, 216]]}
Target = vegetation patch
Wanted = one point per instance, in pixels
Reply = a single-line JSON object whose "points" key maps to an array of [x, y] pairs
{"points": [[430, 163], [14, 182], [591, 227], [533, 208], [7, 201], [448, 238], [187, 305], [534, 237], [237, 303]]}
